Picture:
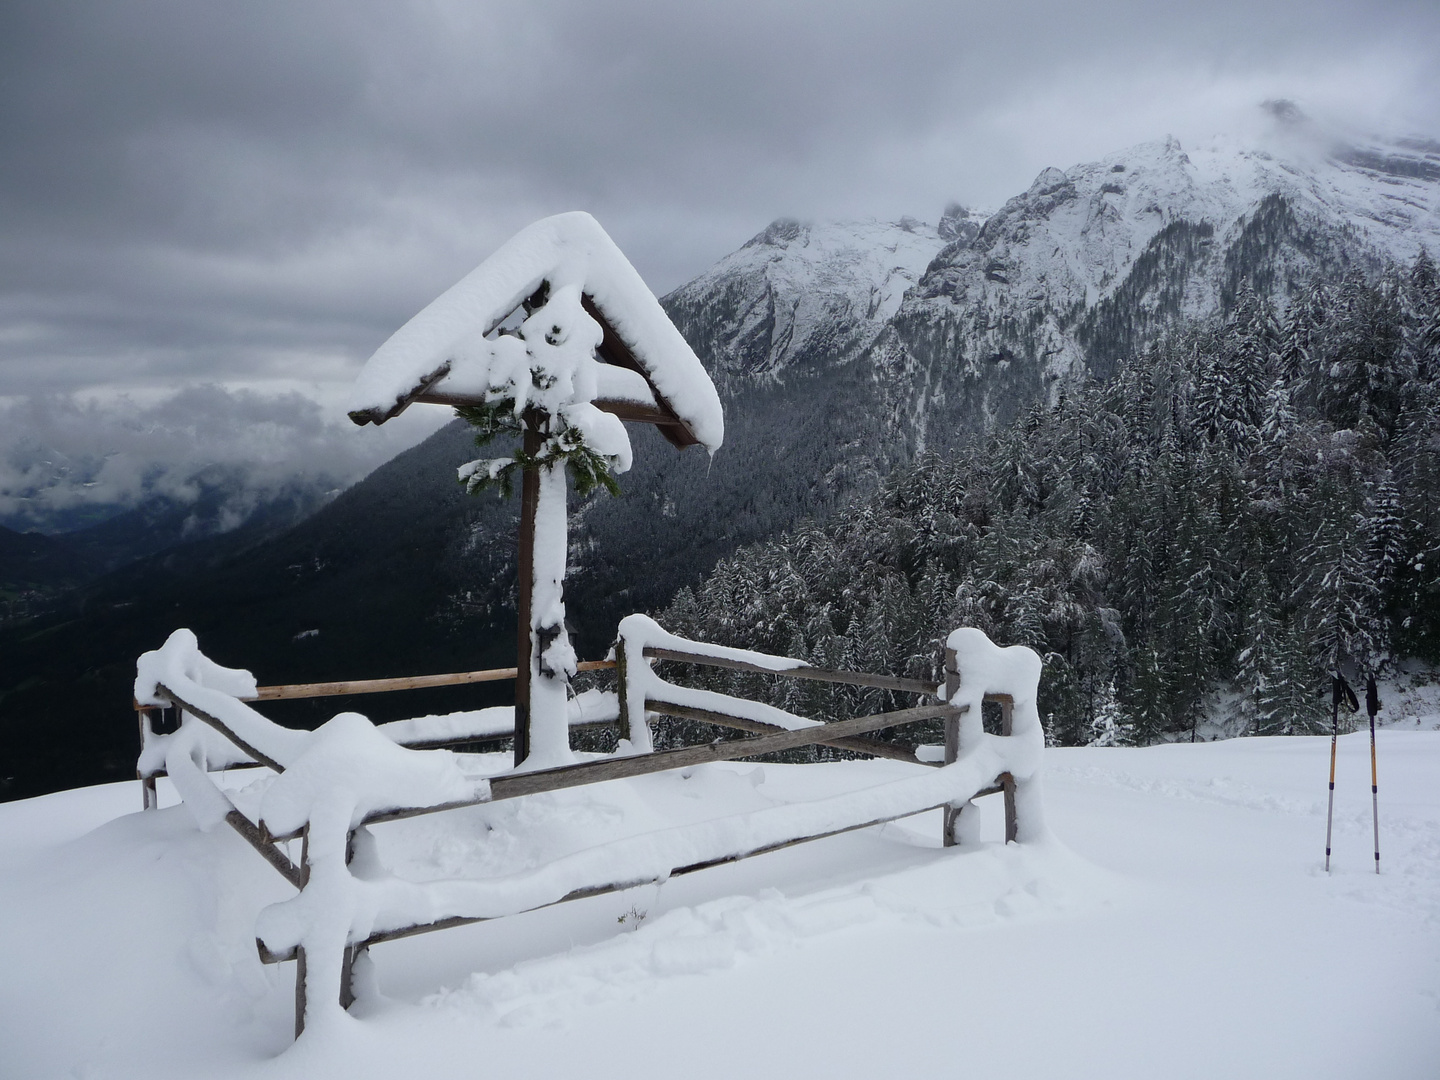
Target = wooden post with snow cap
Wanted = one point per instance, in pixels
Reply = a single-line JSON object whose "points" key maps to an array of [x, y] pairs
{"points": [[148, 793], [953, 727], [595, 349], [952, 744], [1007, 781]]}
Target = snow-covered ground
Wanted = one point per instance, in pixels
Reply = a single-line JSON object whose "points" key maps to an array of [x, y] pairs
{"points": [[1179, 925]]}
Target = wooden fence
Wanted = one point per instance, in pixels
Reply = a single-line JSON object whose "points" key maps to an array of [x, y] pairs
{"points": [[763, 738]]}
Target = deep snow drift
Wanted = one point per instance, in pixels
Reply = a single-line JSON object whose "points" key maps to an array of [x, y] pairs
{"points": [[1180, 926]]}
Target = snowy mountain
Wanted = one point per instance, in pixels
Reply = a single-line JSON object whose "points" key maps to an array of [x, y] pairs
{"points": [[968, 320], [806, 292], [1094, 262]]}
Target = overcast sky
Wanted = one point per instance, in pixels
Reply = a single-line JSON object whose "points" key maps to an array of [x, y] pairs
{"points": [[256, 194]]}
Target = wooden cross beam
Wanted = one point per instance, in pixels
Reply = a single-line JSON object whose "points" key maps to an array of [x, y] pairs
{"points": [[658, 411]]}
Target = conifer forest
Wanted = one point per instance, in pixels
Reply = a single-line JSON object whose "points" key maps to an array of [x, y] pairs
{"points": [[1240, 510]]}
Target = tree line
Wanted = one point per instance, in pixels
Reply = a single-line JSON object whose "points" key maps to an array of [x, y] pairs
{"points": [[1238, 511]]}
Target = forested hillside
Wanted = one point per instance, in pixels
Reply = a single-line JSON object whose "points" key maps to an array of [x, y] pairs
{"points": [[1242, 507]]}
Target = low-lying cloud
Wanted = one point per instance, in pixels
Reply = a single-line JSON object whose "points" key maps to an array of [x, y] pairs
{"points": [[64, 460]]}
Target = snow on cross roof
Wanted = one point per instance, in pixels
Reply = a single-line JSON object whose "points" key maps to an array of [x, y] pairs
{"points": [[567, 249]]}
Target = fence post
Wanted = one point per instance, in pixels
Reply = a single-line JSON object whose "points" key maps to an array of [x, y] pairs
{"points": [[621, 687], [952, 744], [150, 798], [300, 950], [1007, 781], [353, 953]]}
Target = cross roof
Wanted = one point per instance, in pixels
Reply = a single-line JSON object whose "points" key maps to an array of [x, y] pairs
{"points": [[567, 249]]}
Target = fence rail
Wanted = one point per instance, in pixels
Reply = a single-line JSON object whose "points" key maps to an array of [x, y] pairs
{"points": [[382, 686]]}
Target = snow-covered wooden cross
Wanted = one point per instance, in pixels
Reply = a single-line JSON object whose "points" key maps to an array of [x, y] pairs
{"points": [[594, 348]]}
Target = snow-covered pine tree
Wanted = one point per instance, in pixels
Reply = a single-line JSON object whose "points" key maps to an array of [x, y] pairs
{"points": [[1249, 353], [1339, 596], [1110, 726]]}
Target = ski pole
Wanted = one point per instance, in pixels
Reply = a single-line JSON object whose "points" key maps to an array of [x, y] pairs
{"points": [[1334, 738], [1372, 706], [1339, 690]]}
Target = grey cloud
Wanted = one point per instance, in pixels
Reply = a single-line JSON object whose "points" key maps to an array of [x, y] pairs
{"points": [[258, 193], [58, 452]]}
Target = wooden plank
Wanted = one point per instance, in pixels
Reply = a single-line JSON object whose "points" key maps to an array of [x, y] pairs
{"points": [[379, 686], [509, 787], [614, 350], [850, 678], [634, 412], [440, 744], [268, 851], [219, 725], [402, 682], [458, 678], [422, 388], [514, 785], [409, 744], [893, 751]]}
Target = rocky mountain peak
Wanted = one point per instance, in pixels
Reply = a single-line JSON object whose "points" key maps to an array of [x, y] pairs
{"points": [[1048, 182], [779, 233], [959, 225]]}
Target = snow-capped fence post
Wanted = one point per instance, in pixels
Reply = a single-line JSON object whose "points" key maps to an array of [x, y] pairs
{"points": [[952, 746], [631, 666], [149, 796], [355, 953], [977, 671], [951, 822]]}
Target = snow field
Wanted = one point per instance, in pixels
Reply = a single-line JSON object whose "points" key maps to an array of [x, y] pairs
{"points": [[1179, 926]]}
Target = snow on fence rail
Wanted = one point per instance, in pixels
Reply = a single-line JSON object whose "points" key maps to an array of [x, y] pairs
{"points": [[589, 709], [334, 784]]}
